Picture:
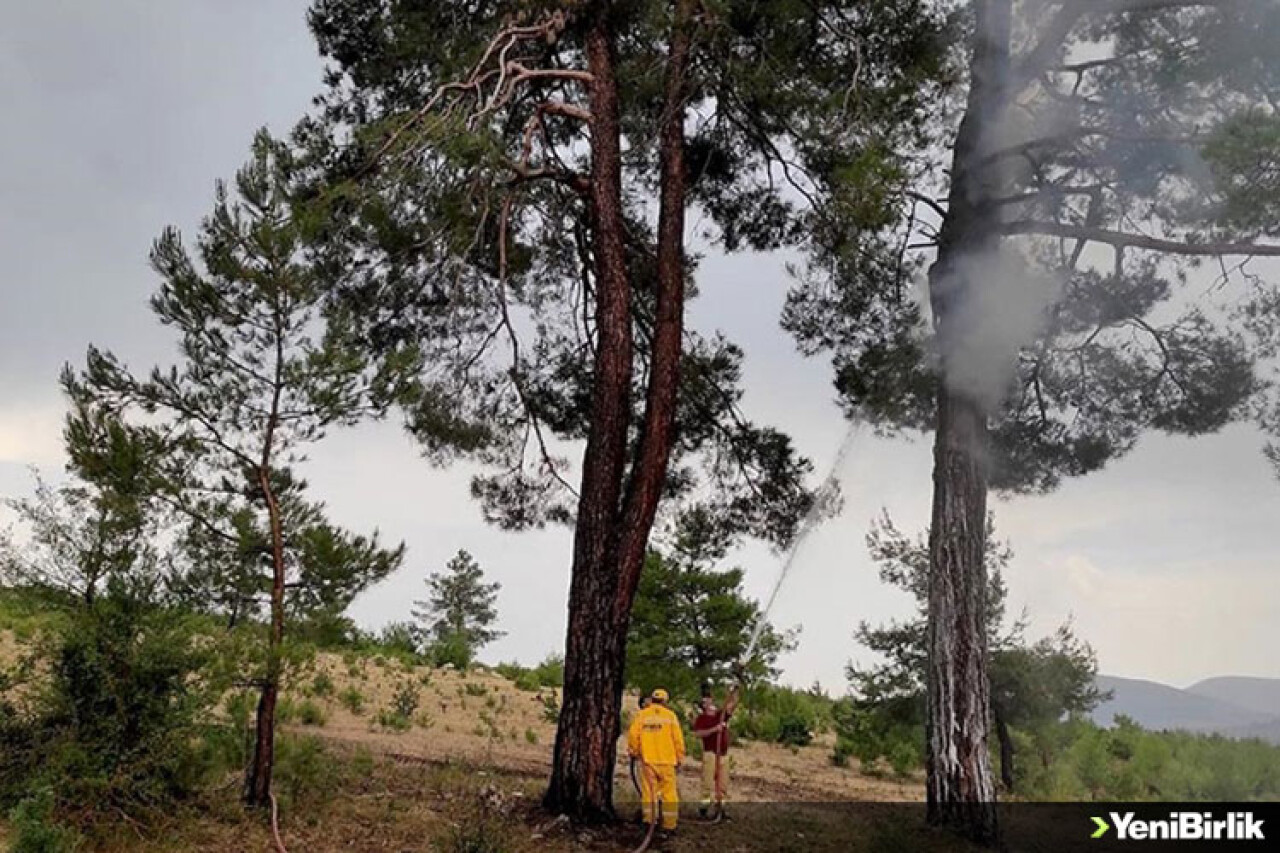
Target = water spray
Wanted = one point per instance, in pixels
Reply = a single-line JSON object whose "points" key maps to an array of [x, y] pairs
{"points": [[825, 501]]}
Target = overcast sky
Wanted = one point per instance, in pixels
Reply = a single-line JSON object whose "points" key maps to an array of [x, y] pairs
{"points": [[119, 117]]}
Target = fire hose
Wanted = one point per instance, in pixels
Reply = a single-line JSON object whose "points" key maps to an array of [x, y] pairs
{"points": [[657, 801]]}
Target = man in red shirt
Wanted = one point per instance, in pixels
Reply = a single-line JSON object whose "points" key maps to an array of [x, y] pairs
{"points": [[712, 727]]}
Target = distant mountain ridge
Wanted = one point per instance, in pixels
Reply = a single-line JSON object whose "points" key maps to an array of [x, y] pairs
{"points": [[1233, 706], [1257, 694]]}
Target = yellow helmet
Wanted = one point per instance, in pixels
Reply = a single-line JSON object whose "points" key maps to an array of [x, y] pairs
{"points": [[660, 695]]}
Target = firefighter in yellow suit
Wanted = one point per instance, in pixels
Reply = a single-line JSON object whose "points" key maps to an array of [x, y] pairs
{"points": [[655, 738]]}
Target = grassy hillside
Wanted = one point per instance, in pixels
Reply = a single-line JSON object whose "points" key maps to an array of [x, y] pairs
{"points": [[379, 753]]}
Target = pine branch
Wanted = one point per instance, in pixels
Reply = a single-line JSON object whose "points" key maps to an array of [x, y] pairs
{"points": [[1123, 239], [1069, 14]]}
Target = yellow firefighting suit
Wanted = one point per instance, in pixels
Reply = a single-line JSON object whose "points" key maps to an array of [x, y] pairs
{"points": [[655, 738]]}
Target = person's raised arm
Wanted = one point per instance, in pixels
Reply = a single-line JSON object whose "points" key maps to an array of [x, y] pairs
{"points": [[731, 704]]}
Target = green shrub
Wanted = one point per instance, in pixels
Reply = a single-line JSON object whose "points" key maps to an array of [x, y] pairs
{"points": [[311, 714], [527, 680], [352, 699], [550, 672], [793, 730], [451, 651], [221, 749], [304, 771], [843, 750], [286, 711], [782, 715], [904, 757], [550, 708], [400, 640], [389, 719], [35, 830], [114, 725], [322, 685], [472, 689], [890, 731], [327, 630], [510, 671], [405, 701], [531, 736], [239, 707]]}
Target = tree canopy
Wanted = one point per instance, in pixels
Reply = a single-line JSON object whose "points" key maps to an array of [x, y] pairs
{"points": [[546, 294], [489, 296], [1118, 175]]}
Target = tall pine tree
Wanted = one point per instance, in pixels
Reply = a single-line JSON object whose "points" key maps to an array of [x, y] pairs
{"points": [[691, 623], [1098, 155], [259, 379], [509, 185]]}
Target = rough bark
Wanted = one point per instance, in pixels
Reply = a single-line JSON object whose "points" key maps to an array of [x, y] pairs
{"points": [[613, 529], [960, 787], [582, 770], [649, 471], [961, 793]]}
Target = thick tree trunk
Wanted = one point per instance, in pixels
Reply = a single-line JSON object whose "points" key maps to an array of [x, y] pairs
{"points": [[257, 789], [961, 792], [612, 534], [1006, 749], [960, 787], [586, 737]]}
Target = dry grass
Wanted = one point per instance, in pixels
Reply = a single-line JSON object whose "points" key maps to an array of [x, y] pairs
{"points": [[474, 758], [481, 718], [9, 647], [420, 806]]}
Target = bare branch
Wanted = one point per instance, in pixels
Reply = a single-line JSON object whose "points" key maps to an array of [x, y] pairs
{"points": [[534, 422], [932, 203], [509, 74]]}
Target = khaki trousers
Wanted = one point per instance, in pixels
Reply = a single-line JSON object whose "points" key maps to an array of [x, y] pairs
{"points": [[709, 793]]}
